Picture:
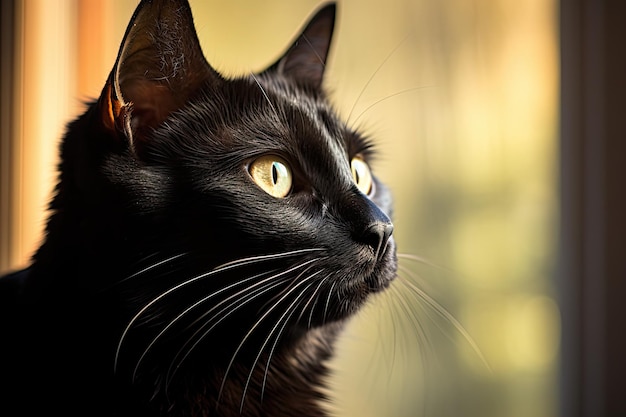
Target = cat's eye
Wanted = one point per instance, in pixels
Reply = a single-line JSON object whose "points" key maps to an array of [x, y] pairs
{"points": [[361, 174], [272, 174]]}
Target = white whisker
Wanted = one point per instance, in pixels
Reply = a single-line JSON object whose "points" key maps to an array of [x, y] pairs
{"points": [[219, 269], [421, 260], [267, 339], [417, 326], [254, 327], [229, 309], [330, 293], [256, 80], [319, 58], [382, 64], [315, 296], [273, 277], [391, 290], [238, 303], [377, 102], [153, 266], [193, 306], [252, 259], [445, 314], [271, 353], [424, 353], [291, 284]]}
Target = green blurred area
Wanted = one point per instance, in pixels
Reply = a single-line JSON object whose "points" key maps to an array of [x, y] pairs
{"points": [[460, 97]]}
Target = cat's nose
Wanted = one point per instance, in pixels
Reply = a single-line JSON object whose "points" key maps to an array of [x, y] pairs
{"points": [[377, 236], [370, 225]]}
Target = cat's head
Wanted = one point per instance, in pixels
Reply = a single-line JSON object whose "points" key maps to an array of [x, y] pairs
{"points": [[233, 200]]}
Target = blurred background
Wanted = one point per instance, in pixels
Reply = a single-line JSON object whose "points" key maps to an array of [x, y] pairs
{"points": [[461, 99]]}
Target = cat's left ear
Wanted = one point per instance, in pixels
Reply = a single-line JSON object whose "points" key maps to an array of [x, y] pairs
{"points": [[160, 65], [305, 61]]}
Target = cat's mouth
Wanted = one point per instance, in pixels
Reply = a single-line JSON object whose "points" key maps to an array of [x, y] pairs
{"points": [[378, 269], [343, 295]]}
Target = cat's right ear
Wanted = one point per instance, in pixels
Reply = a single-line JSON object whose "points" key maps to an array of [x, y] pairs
{"points": [[160, 65], [305, 61]]}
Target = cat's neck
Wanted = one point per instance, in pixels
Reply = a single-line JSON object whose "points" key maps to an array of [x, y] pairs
{"points": [[294, 383]]}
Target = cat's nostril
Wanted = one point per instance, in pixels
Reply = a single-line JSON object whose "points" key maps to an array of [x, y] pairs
{"points": [[377, 236]]}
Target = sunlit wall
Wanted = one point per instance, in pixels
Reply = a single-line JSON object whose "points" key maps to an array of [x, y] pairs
{"points": [[460, 99]]}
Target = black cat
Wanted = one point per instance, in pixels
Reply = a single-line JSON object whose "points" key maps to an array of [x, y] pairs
{"points": [[207, 239]]}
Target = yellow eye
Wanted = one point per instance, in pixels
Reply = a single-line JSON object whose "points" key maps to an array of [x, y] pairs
{"points": [[272, 174], [361, 174]]}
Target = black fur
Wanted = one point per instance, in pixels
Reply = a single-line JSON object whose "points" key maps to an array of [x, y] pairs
{"points": [[169, 283]]}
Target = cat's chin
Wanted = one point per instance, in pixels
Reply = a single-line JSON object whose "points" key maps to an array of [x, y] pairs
{"points": [[347, 295]]}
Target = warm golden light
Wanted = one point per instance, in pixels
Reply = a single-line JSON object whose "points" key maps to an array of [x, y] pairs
{"points": [[45, 103], [460, 99]]}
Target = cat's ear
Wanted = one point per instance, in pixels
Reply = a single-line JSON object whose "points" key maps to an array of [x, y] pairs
{"points": [[160, 65], [305, 60]]}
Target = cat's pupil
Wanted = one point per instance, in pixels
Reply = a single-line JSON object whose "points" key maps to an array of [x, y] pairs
{"points": [[274, 173]]}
